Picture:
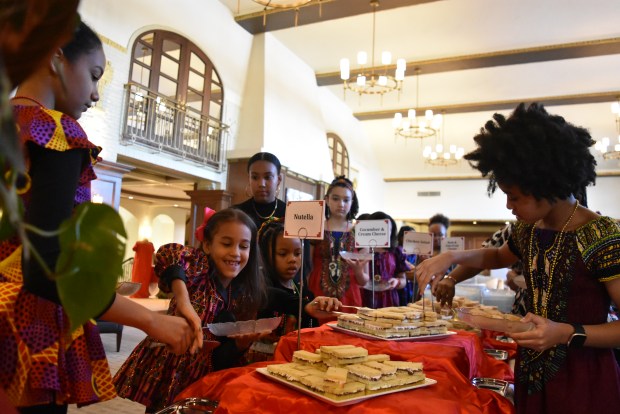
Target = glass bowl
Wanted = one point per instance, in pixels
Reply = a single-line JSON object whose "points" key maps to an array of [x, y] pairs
{"points": [[128, 288], [497, 322], [244, 327], [355, 256]]}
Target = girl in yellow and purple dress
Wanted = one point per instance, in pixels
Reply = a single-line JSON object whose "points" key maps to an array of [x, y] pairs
{"points": [[389, 271], [218, 282], [44, 366]]}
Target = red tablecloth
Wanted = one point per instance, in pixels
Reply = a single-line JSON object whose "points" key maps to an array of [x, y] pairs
{"points": [[451, 361]]}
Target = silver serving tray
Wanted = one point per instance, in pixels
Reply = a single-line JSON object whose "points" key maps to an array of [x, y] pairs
{"points": [[499, 386]]}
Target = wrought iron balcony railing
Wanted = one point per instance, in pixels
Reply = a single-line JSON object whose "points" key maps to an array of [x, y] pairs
{"points": [[153, 121]]}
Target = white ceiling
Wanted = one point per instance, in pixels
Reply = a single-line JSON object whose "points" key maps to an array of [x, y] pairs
{"points": [[449, 29], [514, 39]]}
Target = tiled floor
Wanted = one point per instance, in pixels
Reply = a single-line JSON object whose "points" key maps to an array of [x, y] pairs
{"points": [[131, 337]]}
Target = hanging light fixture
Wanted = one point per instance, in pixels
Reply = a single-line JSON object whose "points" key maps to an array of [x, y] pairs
{"points": [[372, 80], [283, 5], [411, 127], [442, 154], [604, 146]]}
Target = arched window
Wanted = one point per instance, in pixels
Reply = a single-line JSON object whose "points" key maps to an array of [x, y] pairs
{"points": [[339, 154], [174, 98]]}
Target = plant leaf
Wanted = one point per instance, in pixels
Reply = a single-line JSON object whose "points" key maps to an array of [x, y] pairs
{"points": [[92, 248]]}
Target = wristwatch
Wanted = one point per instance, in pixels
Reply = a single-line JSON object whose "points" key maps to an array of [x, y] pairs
{"points": [[578, 338]]}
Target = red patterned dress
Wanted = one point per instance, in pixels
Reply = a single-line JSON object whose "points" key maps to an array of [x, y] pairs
{"points": [[153, 376], [42, 361], [331, 275]]}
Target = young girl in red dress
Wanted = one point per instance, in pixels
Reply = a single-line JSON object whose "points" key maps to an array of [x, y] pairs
{"points": [[331, 274], [218, 282]]}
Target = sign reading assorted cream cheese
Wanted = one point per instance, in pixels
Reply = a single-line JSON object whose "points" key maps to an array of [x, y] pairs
{"points": [[418, 243], [304, 219], [373, 233], [452, 244]]}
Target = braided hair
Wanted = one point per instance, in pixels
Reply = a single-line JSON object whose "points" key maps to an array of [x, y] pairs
{"points": [[267, 238]]}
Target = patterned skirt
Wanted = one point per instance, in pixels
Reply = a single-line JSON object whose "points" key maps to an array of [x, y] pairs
{"points": [[42, 361]]}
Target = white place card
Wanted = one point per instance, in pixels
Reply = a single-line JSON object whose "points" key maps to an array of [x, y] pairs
{"points": [[304, 219], [418, 243], [452, 244], [373, 233]]}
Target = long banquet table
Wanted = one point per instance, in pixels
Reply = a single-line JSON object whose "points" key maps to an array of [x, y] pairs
{"points": [[451, 361]]}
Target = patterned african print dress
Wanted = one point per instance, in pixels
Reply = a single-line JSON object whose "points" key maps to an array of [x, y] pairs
{"points": [[331, 275], [153, 376], [562, 380], [388, 264], [42, 361]]}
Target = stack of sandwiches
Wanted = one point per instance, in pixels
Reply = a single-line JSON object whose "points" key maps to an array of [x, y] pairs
{"points": [[394, 322], [346, 371]]}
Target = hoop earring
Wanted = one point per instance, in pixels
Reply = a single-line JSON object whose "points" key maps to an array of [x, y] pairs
{"points": [[246, 192]]}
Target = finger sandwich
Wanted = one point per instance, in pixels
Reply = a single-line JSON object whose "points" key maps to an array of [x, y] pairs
{"points": [[371, 377], [321, 385], [336, 375], [351, 321], [343, 355], [308, 358], [287, 371]]}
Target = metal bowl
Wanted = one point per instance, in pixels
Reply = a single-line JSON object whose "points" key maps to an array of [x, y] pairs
{"points": [[128, 288]]}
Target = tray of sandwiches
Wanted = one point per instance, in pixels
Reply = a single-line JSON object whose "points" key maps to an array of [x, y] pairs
{"points": [[346, 374], [396, 323]]}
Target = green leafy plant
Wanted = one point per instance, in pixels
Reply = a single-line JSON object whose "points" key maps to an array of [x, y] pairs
{"points": [[92, 246]]}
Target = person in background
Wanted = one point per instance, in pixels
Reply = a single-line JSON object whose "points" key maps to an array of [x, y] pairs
{"points": [[389, 271], [332, 275], [438, 226], [142, 268], [407, 294], [52, 366], [571, 258], [281, 259], [219, 282], [265, 177]]}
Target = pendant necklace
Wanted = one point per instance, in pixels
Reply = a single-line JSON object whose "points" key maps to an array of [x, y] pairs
{"points": [[335, 272], [265, 217]]}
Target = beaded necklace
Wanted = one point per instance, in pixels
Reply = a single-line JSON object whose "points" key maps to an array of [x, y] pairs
{"points": [[546, 293], [265, 217], [334, 251]]}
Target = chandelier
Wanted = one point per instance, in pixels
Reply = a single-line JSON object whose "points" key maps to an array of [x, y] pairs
{"points": [[372, 80], [604, 146], [442, 154], [410, 127]]}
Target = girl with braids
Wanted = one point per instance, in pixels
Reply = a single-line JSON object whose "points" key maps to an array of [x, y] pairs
{"points": [[219, 282], [281, 261], [331, 274], [570, 255]]}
